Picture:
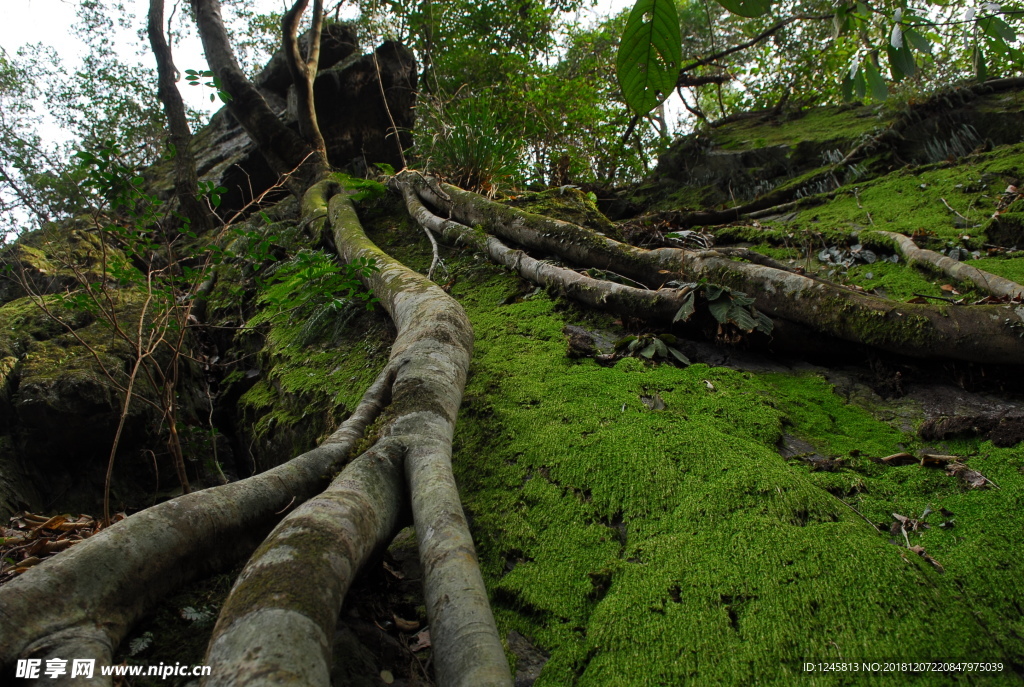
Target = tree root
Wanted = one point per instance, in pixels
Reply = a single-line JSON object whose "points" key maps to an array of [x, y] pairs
{"points": [[432, 352], [989, 283], [293, 587], [278, 621], [94, 592], [626, 300], [277, 624], [981, 333]]}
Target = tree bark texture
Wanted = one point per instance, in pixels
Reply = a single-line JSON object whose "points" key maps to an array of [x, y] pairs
{"points": [[278, 623], [433, 349], [303, 71], [989, 283], [284, 150]]}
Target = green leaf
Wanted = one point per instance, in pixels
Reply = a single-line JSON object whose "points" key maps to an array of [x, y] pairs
{"points": [[742, 318], [980, 67], [920, 43], [648, 352], [650, 53], [841, 21], [896, 37], [720, 309], [997, 28], [879, 91], [686, 309], [741, 299], [901, 63], [859, 85], [660, 348], [747, 8], [679, 355], [847, 88]]}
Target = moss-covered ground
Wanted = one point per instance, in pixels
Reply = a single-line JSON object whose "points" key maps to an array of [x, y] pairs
{"points": [[653, 547], [914, 200]]}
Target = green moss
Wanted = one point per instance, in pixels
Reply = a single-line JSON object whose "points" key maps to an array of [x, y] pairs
{"points": [[567, 204], [643, 547], [835, 126], [910, 200], [1010, 268]]}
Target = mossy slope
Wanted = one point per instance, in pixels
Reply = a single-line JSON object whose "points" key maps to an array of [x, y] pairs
{"points": [[653, 547]]}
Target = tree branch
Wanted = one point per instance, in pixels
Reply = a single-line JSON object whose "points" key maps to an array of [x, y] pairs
{"points": [[303, 71], [284, 150], [764, 35]]}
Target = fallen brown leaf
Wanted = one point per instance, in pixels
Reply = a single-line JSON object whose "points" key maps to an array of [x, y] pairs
{"points": [[422, 641], [972, 478], [404, 625]]}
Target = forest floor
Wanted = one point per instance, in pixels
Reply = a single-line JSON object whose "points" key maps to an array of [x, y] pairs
{"points": [[640, 521]]}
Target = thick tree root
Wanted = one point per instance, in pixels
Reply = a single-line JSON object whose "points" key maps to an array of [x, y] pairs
{"points": [[82, 602], [983, 333], [432, 349], [617, 298], [989, 283], [277, 624]]}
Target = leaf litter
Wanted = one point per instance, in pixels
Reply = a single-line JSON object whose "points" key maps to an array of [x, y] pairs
{"points": [[30, 538]]}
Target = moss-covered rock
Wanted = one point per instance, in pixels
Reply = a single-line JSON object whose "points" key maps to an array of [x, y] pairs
{"points": [[568, 204]]}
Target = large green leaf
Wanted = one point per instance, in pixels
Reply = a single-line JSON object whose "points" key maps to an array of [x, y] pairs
{"points": [[879, 91], [747, 8], [901, 62], [649, 56]]}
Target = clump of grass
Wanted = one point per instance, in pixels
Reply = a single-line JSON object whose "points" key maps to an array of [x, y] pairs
{"points": [[463, 140]]}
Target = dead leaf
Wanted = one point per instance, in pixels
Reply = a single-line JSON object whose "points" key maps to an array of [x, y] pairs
{"points": [[919, 550], [421, 641], [709, 385], [397, 574], [936, 459], [404, 625], [52, 523], [899, 459], [972, 478]]}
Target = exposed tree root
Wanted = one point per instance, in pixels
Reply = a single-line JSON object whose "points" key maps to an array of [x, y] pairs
{"points": [[983, 333], [82, 602], [277, 625], [989, 283], [433, 349], [626, 300], [278, 622]]}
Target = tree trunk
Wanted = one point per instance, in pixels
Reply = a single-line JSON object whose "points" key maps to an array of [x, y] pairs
{"points": [[186, 186], [285, 151]]}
